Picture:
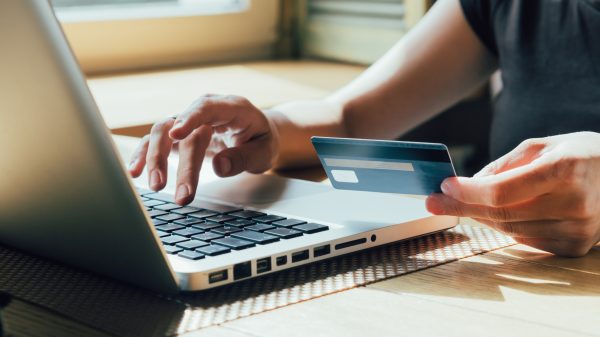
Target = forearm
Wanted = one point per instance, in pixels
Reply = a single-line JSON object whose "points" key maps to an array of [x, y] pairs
{"points": [[434, 66]]}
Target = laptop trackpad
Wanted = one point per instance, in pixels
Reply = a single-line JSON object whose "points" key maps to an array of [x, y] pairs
{"points": [[253, 190]]}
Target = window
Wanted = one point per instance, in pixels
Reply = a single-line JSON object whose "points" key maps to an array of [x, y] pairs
{"points": [[82, 10], [117, 35]]}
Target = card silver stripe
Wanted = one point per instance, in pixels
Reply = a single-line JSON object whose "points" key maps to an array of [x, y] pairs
{"points": [[369, 164]]}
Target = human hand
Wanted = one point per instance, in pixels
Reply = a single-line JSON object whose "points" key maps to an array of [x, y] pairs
{"points": [[545, 194], [234, 132]]}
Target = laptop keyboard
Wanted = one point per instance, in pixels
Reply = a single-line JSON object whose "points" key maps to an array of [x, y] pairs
{"points": [[211, 229]]}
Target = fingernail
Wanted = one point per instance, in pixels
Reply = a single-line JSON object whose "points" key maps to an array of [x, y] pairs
{"points": [[224, 165], [155, 180], [183, 191], [434, 206], [446, 187], [178, 123]]}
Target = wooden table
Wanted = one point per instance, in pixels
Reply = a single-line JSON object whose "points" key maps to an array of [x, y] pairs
{"points": [[515, 291]]}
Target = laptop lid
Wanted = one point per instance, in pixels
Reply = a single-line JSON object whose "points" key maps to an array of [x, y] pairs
{"points": [[64, 193]]}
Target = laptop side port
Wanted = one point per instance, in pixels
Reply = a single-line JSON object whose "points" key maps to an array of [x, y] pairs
{"points": [[242, 270], [300, 256], [350, 243], [263, 265], [218, 276], [321, 250], [281, 260]]}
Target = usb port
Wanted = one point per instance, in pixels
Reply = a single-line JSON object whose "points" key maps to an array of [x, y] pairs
{"points": [[300, 256], [263, 265], [281, 260], [322, 250], [217, 276]]}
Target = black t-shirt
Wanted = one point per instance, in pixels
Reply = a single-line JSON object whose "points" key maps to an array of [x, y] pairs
{"points": [[549, 54]]}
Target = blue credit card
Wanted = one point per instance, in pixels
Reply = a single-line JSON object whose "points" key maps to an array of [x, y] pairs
{"points": [[384, 166]]}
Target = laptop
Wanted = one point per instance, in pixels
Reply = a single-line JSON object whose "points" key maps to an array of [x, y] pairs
{"points": [[65, 193]]}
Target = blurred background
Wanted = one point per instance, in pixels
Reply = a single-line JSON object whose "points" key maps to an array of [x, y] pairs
{"points": [[135, 36]]}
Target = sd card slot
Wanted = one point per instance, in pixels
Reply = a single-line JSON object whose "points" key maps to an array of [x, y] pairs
{"points": [[350, 243]]}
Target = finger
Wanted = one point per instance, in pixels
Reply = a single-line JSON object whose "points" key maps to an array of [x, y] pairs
{"points": [[138, 159], [542, 229], [513, 186], [254, 157], [191, 156], [216, 111], [157, 157], [548, 207], [525, 153]]}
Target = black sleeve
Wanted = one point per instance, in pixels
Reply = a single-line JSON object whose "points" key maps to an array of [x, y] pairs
{"points": [[479, 14]]}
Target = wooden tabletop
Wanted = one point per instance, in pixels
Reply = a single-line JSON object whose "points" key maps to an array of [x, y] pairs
{"points": [[515, 291]]}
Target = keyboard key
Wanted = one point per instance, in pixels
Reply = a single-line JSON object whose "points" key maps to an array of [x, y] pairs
{"points": [[213, 250], [144, 199], [247, 214], [162, 234], [159, 222], [173, 239], [258, 237], [172, 249], [167, 207], [188, 254], [269, 218], [186, 210], [311, 228], [239, 222], [170, 217], [226, 230], [155, 213], [170, 227], [207, 225], [192, 244], [144, 191], [208, 236], [202, 214], [187, 232], [237, 244], [260, 227], [152, 203], [188, 221], [285, 233], [217, 208], [220, 218], [288, 223]]}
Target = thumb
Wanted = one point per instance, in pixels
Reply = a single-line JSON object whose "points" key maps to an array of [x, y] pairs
{"points": [[254, 156]]}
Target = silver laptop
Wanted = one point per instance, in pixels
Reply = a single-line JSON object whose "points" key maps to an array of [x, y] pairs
{"points": [[65, 194]]}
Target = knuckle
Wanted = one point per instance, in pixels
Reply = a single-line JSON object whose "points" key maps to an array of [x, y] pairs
{"points": [[159, 127], [571, 172], [154, 159], [533, 143]]}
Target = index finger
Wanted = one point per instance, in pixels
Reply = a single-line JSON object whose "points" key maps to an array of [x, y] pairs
{"points": [[211, 110], [506, 188]]}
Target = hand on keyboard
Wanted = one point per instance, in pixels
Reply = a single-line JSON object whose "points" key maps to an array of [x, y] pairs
{"points": [[232, 130]]}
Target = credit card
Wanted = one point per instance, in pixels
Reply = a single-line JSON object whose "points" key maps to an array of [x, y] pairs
{"points": [[384, 166]]}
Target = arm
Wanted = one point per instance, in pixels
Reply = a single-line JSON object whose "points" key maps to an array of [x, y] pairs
{"points": [[435, 65]]}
